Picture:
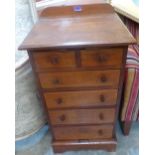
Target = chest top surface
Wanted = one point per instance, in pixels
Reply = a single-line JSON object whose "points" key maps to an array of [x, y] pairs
{"points": [[77, 26]]}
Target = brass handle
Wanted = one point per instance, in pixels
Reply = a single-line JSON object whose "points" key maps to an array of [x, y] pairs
{"points": [[55, 81], [100, 132], [101, 116], [59, 101], [54, 60], [101, 58], [102, 98], [103, 79], [62, 118]]}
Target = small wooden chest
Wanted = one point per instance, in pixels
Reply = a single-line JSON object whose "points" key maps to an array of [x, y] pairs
{"points": [[78, 56]]}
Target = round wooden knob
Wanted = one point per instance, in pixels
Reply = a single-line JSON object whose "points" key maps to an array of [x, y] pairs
{"points": [[59, 101], [54, 60], [101, 116], [100, 132], [102, 98], [101, 58], [103, 79], [55, 81], [62, 118]]}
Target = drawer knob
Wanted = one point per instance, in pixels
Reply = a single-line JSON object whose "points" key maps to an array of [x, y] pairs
{"points": [[102, 98], [103, 79], [59, 101], [55, 81], [101, 116], [54, 60], [62, 118], [100, 132], [101, 58]]}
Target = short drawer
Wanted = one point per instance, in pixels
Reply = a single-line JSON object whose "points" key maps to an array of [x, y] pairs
{"points": [[108, 78], [75, 99], [82, 116], [102, 57], [83, 132], [54, 60]]}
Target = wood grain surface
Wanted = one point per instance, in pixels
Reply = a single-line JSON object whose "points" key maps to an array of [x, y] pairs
{"points": [[82, 116], [108, 78], [62, 27], [83, 132], [81, 99]]}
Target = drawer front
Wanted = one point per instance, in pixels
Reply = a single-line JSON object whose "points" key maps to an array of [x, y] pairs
{"points": [[54, 60], [75, 99], [82, 116], [109, 78], [83, 132], [102, 57]]}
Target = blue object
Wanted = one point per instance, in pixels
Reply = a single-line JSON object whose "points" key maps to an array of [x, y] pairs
{"points": [[136, 2], [32, 140], [77, 8]]}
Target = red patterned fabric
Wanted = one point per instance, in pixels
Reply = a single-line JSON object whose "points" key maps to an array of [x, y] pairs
{"points": [[130, 106]]}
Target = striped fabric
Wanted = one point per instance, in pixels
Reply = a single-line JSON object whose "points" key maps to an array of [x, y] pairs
{"points": [[130, 106], [131, 87]]}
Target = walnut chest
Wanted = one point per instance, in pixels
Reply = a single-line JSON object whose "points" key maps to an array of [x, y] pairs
{"points": [[78, 55]]}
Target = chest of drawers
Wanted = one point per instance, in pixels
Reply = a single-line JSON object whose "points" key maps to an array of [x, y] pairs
{"points": [[78, 60]]}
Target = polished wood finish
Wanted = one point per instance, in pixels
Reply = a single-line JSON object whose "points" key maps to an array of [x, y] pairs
{"points": [[108, 78], [102, 57], [62, 27], [90, 57], [54, 59], [89, 116], [106, 144], [78, 58], [83, 132], [91, 98]]}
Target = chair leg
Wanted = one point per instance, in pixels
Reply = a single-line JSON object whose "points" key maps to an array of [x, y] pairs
{"points": [[126, 126]]}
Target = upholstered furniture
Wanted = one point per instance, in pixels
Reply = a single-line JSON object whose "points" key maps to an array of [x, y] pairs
{"points": [[129, 110]]}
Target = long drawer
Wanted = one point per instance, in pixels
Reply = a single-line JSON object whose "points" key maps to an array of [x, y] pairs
{"points": [[107, 78], [82, 116], [83, 132], [78, 99]]}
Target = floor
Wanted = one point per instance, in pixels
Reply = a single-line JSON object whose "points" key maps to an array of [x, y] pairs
{"points": [[127, 145]]}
